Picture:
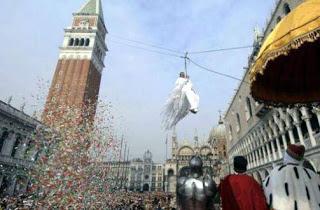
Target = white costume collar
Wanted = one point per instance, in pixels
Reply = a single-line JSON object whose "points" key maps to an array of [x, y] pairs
{"points": [[288, 159]]}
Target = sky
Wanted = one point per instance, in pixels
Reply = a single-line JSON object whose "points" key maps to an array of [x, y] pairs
{"points": [[135, 81]]}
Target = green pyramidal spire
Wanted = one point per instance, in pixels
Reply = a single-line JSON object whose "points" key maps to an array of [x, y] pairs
{"points": [[92, 7]]}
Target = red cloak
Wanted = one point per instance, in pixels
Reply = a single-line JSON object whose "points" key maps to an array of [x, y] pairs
{"points": [[241, 192]]}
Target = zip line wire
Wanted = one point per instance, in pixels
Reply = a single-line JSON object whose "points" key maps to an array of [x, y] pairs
{"points": [[185, 57], [146, 49], [180, 52], [147, 44], [221, 49], [216, 72]]}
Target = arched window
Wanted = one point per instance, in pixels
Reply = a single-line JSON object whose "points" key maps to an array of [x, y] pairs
{"points": [[238, 122], [71, 42], [76, 42], [248, 109], [87, 42], [278, 19], [3, 137], [82, 42], [286, 8], [4, 185]]}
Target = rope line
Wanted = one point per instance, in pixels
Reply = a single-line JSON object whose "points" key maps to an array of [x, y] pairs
{"points": [[180, 52], [216, 72], [185, 57], [147, 44], [148, 50], [221, 49]]}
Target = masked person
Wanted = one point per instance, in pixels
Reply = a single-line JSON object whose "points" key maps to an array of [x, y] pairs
{"points": [[239, 191], [182, 100], [291, 186]]}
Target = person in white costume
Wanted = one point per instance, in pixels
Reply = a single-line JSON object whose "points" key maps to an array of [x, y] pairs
{"points": [[181, 101], [291, 186]]}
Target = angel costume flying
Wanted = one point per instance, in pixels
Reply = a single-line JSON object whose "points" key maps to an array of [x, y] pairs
{"points": [[290, 186], [182, 100]]}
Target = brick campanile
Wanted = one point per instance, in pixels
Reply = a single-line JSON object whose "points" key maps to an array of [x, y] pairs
{"points": [[77, 77]]}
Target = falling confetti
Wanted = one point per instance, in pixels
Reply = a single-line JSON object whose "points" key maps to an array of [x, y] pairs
{"points": [[69, 153]]}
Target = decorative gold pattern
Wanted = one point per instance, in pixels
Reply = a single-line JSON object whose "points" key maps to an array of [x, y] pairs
{"points": [[300, 26]]}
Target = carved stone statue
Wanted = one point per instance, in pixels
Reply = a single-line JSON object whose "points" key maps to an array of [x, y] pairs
{"points": [[195, 190]]}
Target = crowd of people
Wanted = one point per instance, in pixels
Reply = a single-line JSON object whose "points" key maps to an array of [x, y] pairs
{"points": [[289, 186], [141, 201], [119, 200]]}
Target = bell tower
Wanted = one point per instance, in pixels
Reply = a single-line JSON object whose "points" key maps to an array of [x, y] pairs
{"points": [[77, 77]]}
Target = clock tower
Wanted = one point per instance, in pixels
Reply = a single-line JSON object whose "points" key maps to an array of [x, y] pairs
{"points": [[76, 81]]}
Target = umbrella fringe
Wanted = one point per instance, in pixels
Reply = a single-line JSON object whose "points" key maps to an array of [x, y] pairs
{"points": [[311, 36]]}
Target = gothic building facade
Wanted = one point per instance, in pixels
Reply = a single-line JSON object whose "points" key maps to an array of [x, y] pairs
{"points": [[77, 77], [262, 133], [211, 151]]}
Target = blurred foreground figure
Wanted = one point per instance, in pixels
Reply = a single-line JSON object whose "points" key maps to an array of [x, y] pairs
{"points": [[195, 191], [239, 191], [181, 101], [291, 186]]}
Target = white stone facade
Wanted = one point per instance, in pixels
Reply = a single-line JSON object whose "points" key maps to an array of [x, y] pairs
{"points": [[136, 174], [17, 151], [262, 133]]}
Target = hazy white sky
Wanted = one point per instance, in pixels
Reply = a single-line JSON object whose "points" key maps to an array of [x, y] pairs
{"points": [[136, 82]]}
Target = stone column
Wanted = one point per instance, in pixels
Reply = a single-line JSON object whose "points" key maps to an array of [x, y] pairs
{"points": [[1, 179], [276, 136], [291, 136], [288, 124], [316, 110], [264, 159], [281, 128], [249, 151], [297, 122], [271, 140], [306, 117], [12, 186], [251, 160], [284, 140], [298, 126], [279, 147], [252, 149], [258, 152], [260, 160], [266, 144], [282, 132]]}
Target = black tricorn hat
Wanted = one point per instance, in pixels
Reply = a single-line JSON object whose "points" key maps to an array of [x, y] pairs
{"points": [[240, 164]]}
